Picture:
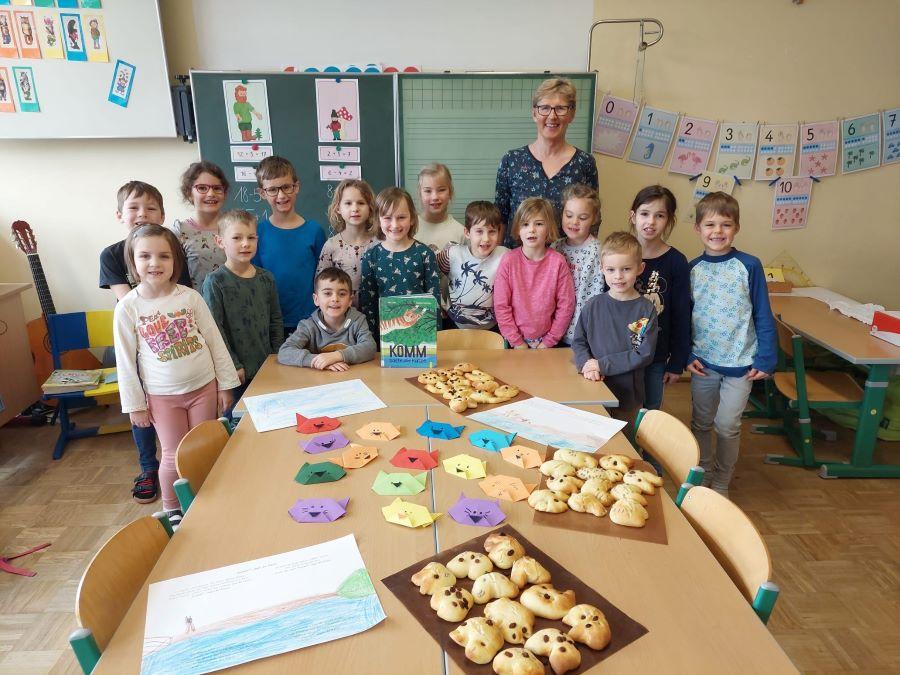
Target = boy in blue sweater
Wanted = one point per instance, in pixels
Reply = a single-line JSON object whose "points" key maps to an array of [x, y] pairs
{"points": [[734, 339]]}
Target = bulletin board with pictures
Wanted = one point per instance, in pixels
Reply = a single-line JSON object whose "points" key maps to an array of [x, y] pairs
{"points": [[83, 69]]}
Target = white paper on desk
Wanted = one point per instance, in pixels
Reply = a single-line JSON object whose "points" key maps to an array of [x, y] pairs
{"points": [[279, 410], [551, 423], [212, 620], [846, 306]]}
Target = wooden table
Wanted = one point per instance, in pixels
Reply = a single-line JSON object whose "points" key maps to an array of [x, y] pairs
{"points": [[849, 339], [698, 620]]}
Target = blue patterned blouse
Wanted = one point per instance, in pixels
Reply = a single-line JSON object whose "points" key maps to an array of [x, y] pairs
{"points": [[521, 175]]}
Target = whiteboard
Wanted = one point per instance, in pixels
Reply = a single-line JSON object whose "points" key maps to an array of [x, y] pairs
{"points": [[73, 95]]}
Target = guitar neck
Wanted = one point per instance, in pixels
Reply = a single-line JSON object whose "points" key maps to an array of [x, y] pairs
{"points": [[40, 284]]}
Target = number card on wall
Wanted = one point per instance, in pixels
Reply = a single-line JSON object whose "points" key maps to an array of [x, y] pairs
{"points": [[791, 208], [712, 182], [777, 148], [693, 146], [818, 149], [737, 148], [654, 136], [614, 125], [860, 143], [890, 126]]}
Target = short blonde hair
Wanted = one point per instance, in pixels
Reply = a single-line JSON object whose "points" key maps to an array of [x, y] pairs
{"points": [[388, 200], [623, 243], [234, 217], [536, 207], [334, 209], [436, 169], [556, 85], [579, 191], [718, 203]]}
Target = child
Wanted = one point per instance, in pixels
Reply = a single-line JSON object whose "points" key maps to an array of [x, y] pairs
{"points": [[243, 299], [580, 247], [666, 282], [398, 264], [173, 366], [734, 340], [534, 294], [616, 333], [336, 335], [471, 267], [435, 193], [352, 217], [204, 186], [289, 245], [138, 203]]}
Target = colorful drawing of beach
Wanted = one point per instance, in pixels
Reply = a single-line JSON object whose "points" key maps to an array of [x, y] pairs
{"points": [[212, 620], [551, 423], [279, 410]]}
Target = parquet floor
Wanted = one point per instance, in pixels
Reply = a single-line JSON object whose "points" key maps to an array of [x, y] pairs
{"points": [[835, 543]]}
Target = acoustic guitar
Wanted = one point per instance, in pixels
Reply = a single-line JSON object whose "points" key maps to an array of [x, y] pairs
{"points": [[38, 337]]}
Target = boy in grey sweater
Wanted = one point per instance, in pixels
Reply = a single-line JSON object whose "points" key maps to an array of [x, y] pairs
{"points": [[336, 335], [615, 337]]}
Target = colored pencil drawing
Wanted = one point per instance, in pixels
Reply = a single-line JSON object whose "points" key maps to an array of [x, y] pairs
{"points": [[337, 110], [247, 111]]}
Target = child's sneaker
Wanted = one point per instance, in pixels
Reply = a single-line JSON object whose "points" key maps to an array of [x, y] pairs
{"points": [[146, 487], [175, 516], [720, 487]]}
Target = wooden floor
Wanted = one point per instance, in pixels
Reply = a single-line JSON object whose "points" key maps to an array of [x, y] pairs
{"points": [[835, 543]]}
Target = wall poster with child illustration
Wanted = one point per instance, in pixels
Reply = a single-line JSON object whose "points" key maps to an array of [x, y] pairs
{"points": [[247, 111], [96, 42], [48, 35], [737, 149], [6, 95], [655, 131], [26, 34], [776, 152], [337, 110], [73, 37], [791, 207], [26, 89]]}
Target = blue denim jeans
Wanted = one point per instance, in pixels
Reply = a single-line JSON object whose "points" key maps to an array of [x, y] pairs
{"points": [[653, 385], [145, 440]]}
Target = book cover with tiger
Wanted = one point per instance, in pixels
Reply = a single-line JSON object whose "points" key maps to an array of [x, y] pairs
{"points": [[408, 331]]}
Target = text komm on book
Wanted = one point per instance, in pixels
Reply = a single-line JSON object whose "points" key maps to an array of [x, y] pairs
{"points": [[408, 331]]}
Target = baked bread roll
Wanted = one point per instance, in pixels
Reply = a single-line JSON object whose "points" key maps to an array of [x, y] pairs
{"points": [[503, 550], [556, 468], [470, 564], [480, 638], [433, 577], [588, 472], [428, 377], [625, 491], [485, 385], [548, 501], [594, 633], [459, 404], [493, 585], [599, 488], [639, 479], [582, 612], [506, 391], [576, 458], [587, 503], [452, 603], [517, 661], [612, 475], [464, 367], [620, 463], [516, 621], [478, 375], [547, 602], [654, 480], [558, 647], [567, 484], [527, 570], [629, 513]]}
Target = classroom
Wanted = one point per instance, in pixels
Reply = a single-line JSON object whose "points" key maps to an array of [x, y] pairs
{"points": [[512, 337]]}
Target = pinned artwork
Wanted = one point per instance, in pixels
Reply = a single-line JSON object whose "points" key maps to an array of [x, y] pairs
{"points": [[6, 92], [818, 149], [479, 512], [315, 425], [339, 172], [378, 431], [325, 443], [465, 466], [655, 131], [92, 4], [26, 89], [96, 39], [441, 430], [791, 208], [67, 4], [247, 111], [26, 35], [8, 46], [712, 182], [408, 514], [399, 483], [615, 122], [337, 110], [415, 459], [509, 488], [693, 145], [356, 456], [73, 37], [322, 472], [491, 440], [320, 510], [777, 148], [48, 35], [890, 136], [37, 3], [737, 148], [122, 83], [523, 456], [860, 143]]}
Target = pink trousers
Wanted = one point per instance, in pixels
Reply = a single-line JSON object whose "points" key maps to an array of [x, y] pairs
{"points": [[173, 416]]}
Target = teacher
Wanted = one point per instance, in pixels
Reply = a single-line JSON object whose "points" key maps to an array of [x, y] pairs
{"points": [[549, 164]]}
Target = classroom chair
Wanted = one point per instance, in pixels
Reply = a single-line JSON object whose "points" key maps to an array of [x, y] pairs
{"points": [[670, 443], [111, 582], [82, 330], [195, 456], [460, 338], [802, 391], [735, 542]]}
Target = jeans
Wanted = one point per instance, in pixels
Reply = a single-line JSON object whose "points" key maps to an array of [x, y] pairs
{"points": [[145, 440], [653, 385], [718, 402]]}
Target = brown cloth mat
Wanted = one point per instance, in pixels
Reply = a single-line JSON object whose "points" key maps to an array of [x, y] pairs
{"points": [[521, 396], [624, 629]]}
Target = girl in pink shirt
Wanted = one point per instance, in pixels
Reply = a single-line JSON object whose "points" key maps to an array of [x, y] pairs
{"points": [[534, 293]]}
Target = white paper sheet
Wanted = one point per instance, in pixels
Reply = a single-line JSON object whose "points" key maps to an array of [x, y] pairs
{"points": [[846, 306]]}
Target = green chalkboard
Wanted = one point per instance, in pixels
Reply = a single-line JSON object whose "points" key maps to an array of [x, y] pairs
{"points": [[296, 135]]}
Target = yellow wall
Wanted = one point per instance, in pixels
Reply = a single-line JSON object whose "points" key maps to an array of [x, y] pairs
{"points": [[774, 61], [719, 58]]}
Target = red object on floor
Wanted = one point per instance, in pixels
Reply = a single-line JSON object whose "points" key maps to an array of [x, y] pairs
{"points": [[6, 567]]}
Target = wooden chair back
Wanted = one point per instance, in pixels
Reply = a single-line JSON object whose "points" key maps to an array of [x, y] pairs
{"points": [[116, 574], [785, 338], [199, 450], [458, 338], [731, 537], [670, 442]]}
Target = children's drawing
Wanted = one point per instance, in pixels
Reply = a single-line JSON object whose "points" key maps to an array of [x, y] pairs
{"points": [[8, 47], [223, 617], [73, 37], [655, 131], [818, 149], [26, 89], [712, 182], [247, 111], [48, 35], [792, 198], [777, 148], [6, 96], [96, 45], [860, 143], [737, 149], [26, 34], [337, 110], [122, 82], [890, 136], [693, 146], [615, 122]]}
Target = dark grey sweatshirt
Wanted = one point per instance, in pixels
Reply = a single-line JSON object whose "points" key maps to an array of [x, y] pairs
{"points": [[312, 336]]}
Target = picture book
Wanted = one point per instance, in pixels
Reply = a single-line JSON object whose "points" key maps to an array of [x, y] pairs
{"points": [[65, 381], [408, 331]]}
